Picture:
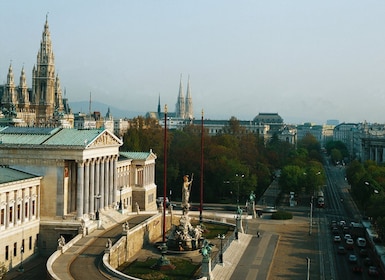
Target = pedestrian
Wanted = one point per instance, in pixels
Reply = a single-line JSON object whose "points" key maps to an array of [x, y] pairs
{"points": [[258, 234]]}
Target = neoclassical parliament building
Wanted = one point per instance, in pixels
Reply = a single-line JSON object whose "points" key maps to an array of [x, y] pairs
{"points": [[55, 180]]}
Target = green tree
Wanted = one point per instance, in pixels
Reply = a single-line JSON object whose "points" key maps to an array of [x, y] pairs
{"points": [[292, 179]]}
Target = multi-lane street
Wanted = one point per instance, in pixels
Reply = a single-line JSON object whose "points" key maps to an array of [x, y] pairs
{"points": [[335, 219]]}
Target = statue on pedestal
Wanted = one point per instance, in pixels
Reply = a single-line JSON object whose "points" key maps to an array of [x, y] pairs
{"points": [[186, 188]]}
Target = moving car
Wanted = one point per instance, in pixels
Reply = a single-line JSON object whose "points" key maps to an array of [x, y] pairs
{"points": [[364, 253], [357, 269], [341, 250], [352, 258], [347, 236], [337, 238], [361, 242], [349, 244], [373, 271]]}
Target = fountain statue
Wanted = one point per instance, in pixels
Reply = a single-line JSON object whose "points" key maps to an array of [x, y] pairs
{"points": [[185, 237]]}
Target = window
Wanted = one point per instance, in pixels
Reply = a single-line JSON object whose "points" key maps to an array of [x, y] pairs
{"points": [[6, 253], [30, 243], [33, 207], [15, 249], [18, 211], [26, 210], [11, 214], [2, 216]]}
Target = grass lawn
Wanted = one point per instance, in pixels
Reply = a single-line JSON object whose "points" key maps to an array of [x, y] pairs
{"points": [[184, 267]]}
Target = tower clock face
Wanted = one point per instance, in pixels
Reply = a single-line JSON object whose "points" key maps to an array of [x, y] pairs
{"points": [[43, 70]]}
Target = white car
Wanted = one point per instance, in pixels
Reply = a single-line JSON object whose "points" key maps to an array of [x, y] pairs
{"points": [[337, 238], [347, 236], [361, 242], [349, 241]]}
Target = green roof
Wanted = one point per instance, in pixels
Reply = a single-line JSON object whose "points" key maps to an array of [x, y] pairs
{"points": [[12, 175], [136, 155], [48, 136]]}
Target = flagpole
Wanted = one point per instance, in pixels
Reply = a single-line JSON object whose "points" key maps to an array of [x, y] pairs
{"points": [[201, 192]]}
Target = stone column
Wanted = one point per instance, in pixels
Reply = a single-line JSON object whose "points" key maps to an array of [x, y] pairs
{"points": [[106, 183], [112, 180], [101, 182], [13, 204], [86, 199], [97, 179], [22, 216], [7, 210], [30, 205], [80, 190], [72, 196], [92, 186]]}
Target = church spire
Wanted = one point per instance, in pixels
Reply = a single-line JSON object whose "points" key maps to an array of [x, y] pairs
{"points": [[189, 113], [180, 104], [159, 105], [24, 96]]}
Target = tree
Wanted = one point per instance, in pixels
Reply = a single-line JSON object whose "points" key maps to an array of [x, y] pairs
{"points": [[292, 179], [3, 270]]}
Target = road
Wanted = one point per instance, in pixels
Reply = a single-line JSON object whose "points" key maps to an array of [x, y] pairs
{"points": [[87, 265], [339, 206]]}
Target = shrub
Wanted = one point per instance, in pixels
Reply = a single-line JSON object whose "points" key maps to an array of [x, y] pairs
{"points": [[282, 215]]}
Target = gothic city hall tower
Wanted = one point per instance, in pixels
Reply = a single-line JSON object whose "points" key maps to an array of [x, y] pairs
{"points": [[46, 91], [42, 105]]}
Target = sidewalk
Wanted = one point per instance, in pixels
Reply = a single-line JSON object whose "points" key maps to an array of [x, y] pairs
{"points": [[249, 257]]}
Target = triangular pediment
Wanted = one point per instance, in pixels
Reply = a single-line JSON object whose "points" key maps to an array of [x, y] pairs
{"points": [[105, 138]]}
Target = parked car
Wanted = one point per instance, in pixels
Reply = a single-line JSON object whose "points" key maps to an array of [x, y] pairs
{"points": [[335, 230], [352, 258], [373, 271], [361, 242]]}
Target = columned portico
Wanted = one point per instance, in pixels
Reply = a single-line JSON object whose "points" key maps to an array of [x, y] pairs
{"points": [[95, 176]]}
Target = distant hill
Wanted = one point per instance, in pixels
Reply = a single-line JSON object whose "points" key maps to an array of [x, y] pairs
{"points": [[83, 107]]}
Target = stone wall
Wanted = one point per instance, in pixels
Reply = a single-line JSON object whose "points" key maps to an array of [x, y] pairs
{"points": [[146, 233]]}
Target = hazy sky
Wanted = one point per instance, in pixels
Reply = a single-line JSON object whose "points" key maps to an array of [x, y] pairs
{"points": [[306, 60]]}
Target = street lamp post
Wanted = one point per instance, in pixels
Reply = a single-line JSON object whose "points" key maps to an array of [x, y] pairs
{"points": [[311, 216], [97, 206], [242, 176], [221, 237], [120, 200]]}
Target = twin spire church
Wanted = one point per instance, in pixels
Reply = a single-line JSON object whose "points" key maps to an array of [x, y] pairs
{"points": [[183, 107]]}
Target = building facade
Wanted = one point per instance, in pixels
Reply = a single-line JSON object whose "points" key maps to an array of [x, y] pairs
{"points": [[82, 172], [19, 216]]}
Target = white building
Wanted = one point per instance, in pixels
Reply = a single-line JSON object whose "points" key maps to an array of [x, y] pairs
{"points": [[19, 215], [76, 167]]}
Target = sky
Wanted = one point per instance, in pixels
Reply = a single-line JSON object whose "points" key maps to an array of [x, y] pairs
{"points": [[308, 61]]}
